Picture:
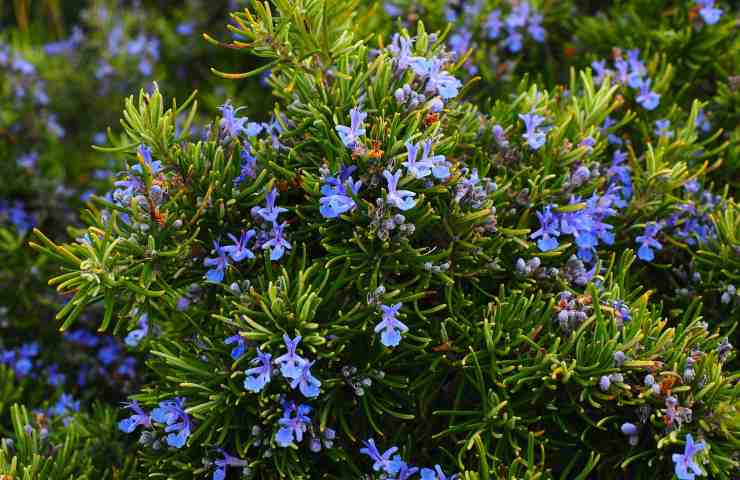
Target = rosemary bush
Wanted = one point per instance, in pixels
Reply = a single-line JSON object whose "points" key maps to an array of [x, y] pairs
{"points": [[482, 240]]}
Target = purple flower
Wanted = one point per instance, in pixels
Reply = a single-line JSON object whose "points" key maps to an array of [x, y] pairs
{"points": [[135, 336], [291, 364], [589, 143], [28, 160], [439, 165], [709, 13], [337, 193], [600, 71], [277, 242], [662, 128], [270, 212], [171, 413], [418, 169], [219, 263], [351, 135], [514, 41], [439, 81], [239, 251], [224, 463], [402, 199], [65, 406], [604, 383], [140, 417], [231, 125], [648, 242], [494, 24], [548, 231], [647, 98], [702, 121], [248, 167], [292, 427], [127, 368], [54, 377], [390, 328], [309, 385], [436, 474], [185, 29], [629, 428], [686, 467], [518, 16], [534, 136], [400, 48], [381, 462], [535, 28], [239, 349], [259, 376]]}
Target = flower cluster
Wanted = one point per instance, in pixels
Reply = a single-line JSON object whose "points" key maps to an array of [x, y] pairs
{"points": [[629, 72], [168, 420], [394, 467], [522, 20]]}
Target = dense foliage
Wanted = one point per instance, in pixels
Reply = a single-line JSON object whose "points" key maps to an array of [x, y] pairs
{"points": [[383, 240]]}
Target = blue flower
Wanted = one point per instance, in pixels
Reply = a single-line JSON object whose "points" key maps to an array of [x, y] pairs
{"points": [[534, 136], [54, 377], [648, 242], [439, 165], [436, 474], [270, 211], [494, 24], [309, 385], [135, 336], [402, 199], [400, 48], [418, 169], [248, 168], [277, 242], [589, 143], [337, 193], [231, 125], [390, 328], [708, 12], [381, 462], [171, 413], [259, 376], [219, 263], [686, 467], [28, 160], [620, 179], [239, 251], [514, 41], [140, 417], [438, 81], [351, 135], [292, 427], [291, 364], [662, 128], [224, 463], [66, 405], [127, 368], [702, 121], [535, 28], [548, 231], [647, 98], [239, 349], [600, 71]]}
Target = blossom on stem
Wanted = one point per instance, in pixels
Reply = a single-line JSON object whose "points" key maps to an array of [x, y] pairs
{"points": [[402, 199], [259, 375], [390, 327], [350, 135]]}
